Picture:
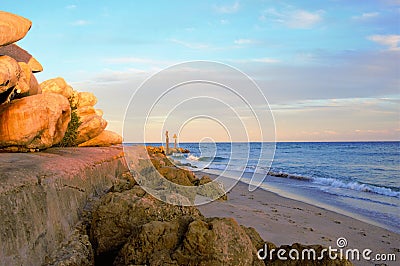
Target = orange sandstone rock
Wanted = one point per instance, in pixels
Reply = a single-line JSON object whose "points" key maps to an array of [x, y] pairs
{"points": [[105, 139], [12, 27], [34, 122]]}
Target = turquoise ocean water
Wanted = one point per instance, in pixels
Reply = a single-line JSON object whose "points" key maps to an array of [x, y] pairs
{"points": [[360, 179]]}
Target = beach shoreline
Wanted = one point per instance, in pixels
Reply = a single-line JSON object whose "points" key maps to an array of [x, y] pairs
{"points": [[285, 221]]}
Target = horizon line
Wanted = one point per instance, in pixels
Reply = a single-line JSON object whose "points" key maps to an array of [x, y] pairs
{"points": [[288, 141]]}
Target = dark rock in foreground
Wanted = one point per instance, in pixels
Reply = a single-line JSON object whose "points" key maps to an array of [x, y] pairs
{"points": [[120, 213]]}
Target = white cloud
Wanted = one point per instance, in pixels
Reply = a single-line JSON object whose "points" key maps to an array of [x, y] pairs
{"points": [[71, 7], [80, 22], [304, 19], [224, 21], [366, 16], [190, 45], [143, 62], [391, 41], [228, 9], [118, 60], [293, 18], [255, 60], [244, 41], [266, 60]]}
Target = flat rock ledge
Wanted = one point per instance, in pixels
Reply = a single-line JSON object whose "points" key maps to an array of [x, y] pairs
{"points": [[43, 195]]}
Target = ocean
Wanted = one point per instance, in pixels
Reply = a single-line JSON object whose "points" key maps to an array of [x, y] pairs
{"points": [[358, 179]]}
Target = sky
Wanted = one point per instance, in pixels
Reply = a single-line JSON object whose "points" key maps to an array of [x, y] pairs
{"points": [[329, 69]]}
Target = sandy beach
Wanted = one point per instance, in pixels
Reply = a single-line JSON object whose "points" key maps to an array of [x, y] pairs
{"points": [[285, 221]]}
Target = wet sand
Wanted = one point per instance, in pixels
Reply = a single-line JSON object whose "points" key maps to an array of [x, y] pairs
{"points": [[285, 221]]}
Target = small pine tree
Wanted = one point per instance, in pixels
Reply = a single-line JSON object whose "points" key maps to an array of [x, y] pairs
{"points": [[69, 139]]}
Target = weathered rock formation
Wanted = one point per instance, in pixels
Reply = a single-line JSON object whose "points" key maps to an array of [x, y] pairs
{"points": [[57, 85], [104, 139], [23, 123], [12, 27], [92, 122], [43, 196], [91, 127], [189, 241], [34, 122], [120, 213]]}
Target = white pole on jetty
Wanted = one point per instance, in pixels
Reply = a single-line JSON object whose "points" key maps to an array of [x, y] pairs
{"points": [[166, 143], [175, 137]]}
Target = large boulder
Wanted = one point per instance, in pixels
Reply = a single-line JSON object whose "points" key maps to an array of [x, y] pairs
{"points": [[153, 243], [92, 125], [86, 99], [119, 214], [216, 241], [34, 122], [85, 111], [189, 241], [13, 80], [105, 139], [57, 85], [12, 27], [176, 175]]}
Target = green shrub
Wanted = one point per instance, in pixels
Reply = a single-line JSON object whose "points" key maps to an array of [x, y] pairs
{"points": [[71, 134]]}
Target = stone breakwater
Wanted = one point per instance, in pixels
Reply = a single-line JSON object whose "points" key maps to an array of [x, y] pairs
{"points": [[42, 197], [36, 116]]}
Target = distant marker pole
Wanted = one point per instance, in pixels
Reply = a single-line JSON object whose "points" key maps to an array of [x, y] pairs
{"points": [[166, 143], [175, 137]]}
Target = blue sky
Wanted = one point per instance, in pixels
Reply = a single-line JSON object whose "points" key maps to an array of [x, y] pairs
{"points": [[330, 69]]}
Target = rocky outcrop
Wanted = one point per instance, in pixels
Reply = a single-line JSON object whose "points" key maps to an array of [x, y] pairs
{"points": [[86, 99], [34, 122], [92, 124], [216, 241], [91, 127], [153, 243], [16, 64], [105, 139], [21, 55], [75, 250], [121, 212], [43, 196], [181, 176], [57, 85], [189, 241], [12, 27], [17, 80]]}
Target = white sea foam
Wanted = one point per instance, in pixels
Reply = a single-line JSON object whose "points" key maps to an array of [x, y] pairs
{"points": [[191, 157], [356, 186]]}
